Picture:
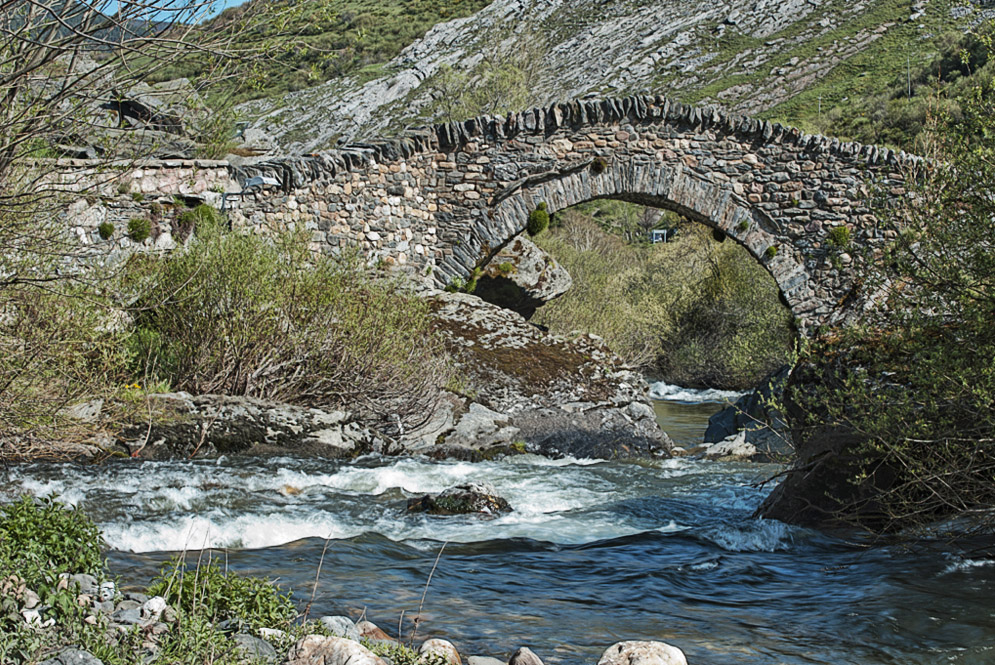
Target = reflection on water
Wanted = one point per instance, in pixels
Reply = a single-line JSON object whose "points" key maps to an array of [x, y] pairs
{"points": [[685, 423]]}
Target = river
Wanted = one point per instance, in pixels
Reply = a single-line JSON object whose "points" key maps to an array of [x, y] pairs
{"points": [[594, 552]]}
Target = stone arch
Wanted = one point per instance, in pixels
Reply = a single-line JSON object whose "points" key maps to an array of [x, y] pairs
{"points": [[670, 188]]}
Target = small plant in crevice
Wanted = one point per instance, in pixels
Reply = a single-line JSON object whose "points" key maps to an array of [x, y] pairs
{"points": [[105, 230], [139, 229], [744, 225], [506, 268], [770, 252], [839, 237], [137, 197], [599, 165], [538, 220]]}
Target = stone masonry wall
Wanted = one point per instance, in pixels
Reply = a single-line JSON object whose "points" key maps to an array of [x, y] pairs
{"points": [[440, 201]]}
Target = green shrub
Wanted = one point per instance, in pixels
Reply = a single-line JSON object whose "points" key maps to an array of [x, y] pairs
{"points": [[105, 230], [770, 252], [245, 315], [599, 165], [40, 538], [839, 237], [716, 320], [743, 225], [137, 197], [204, 221], [139, 229], [538, 220], [506, 268], [250, 602]]}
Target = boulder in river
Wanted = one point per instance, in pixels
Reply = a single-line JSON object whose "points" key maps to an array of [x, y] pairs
{"points": [[465, 499], [758, 418], [642, 653]]}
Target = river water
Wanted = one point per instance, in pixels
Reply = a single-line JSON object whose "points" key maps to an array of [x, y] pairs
{"points": [[594, 552]]}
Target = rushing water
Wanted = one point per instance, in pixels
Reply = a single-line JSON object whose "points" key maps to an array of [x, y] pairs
{"points": [[594, 552]]}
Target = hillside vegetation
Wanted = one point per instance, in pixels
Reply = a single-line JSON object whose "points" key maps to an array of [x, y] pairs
{"points": [[692, 311]]}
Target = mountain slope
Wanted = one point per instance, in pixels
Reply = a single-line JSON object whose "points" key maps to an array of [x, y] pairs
{"points": [[787, 59]]}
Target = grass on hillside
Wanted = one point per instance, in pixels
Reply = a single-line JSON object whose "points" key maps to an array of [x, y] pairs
{"points": [[309, 43]]}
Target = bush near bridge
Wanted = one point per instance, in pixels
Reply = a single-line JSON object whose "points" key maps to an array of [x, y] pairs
{"points": [[691, 311], [904, 399]]}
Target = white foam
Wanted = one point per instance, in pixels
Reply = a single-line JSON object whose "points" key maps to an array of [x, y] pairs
{"points": [[754, 536], [665, 391], [965, 565]]}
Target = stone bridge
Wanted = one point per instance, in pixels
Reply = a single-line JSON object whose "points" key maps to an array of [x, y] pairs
{"points": [[440, 202]]}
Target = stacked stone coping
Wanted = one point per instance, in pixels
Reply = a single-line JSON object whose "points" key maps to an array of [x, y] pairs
{"points": [[297, 171], [442, 200]]}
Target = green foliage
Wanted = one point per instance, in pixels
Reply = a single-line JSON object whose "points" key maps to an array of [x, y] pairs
{"points": [[915, 381], [692, 311], [139, 229], [217, 595], [538, 220], [308, 43], [41, 538], [399, 654], [138, 197], [503, 81], [839, 237], [204, 221], [506, 268], [599, 165], [105, 230], [245, 315], [770, 252], [743, 225]]}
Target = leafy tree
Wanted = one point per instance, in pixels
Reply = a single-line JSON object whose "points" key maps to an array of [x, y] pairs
{"points": [[909, 391]]}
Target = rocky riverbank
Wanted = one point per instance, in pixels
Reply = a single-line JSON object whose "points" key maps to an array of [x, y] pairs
{"points": [[518, 389]]}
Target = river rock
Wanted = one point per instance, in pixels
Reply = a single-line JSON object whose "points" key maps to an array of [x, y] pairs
{"points": [[757, 416], [341, 626], [208, 425], [733, 449], [255, 649], [324, 650], [443, 648], [72, 656], [484, 660], [524, 656], [642, 653], [153, 608], [87, 583], [372, 631], [521, 277], [465, 499], [565, 396]]}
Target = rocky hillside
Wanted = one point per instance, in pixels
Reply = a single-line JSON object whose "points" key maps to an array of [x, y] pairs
{"points": [[792, 60]]}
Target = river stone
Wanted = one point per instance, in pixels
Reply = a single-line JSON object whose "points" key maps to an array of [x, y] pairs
{"points": [[341, 626], [642, 653], [324, 650], [524, 656], [87, 583], [255, 649], [464, 499], [372, 631], [153, 608], [443, 648], [732, 449], [72, 656], [484, 660], [127, 617]]}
